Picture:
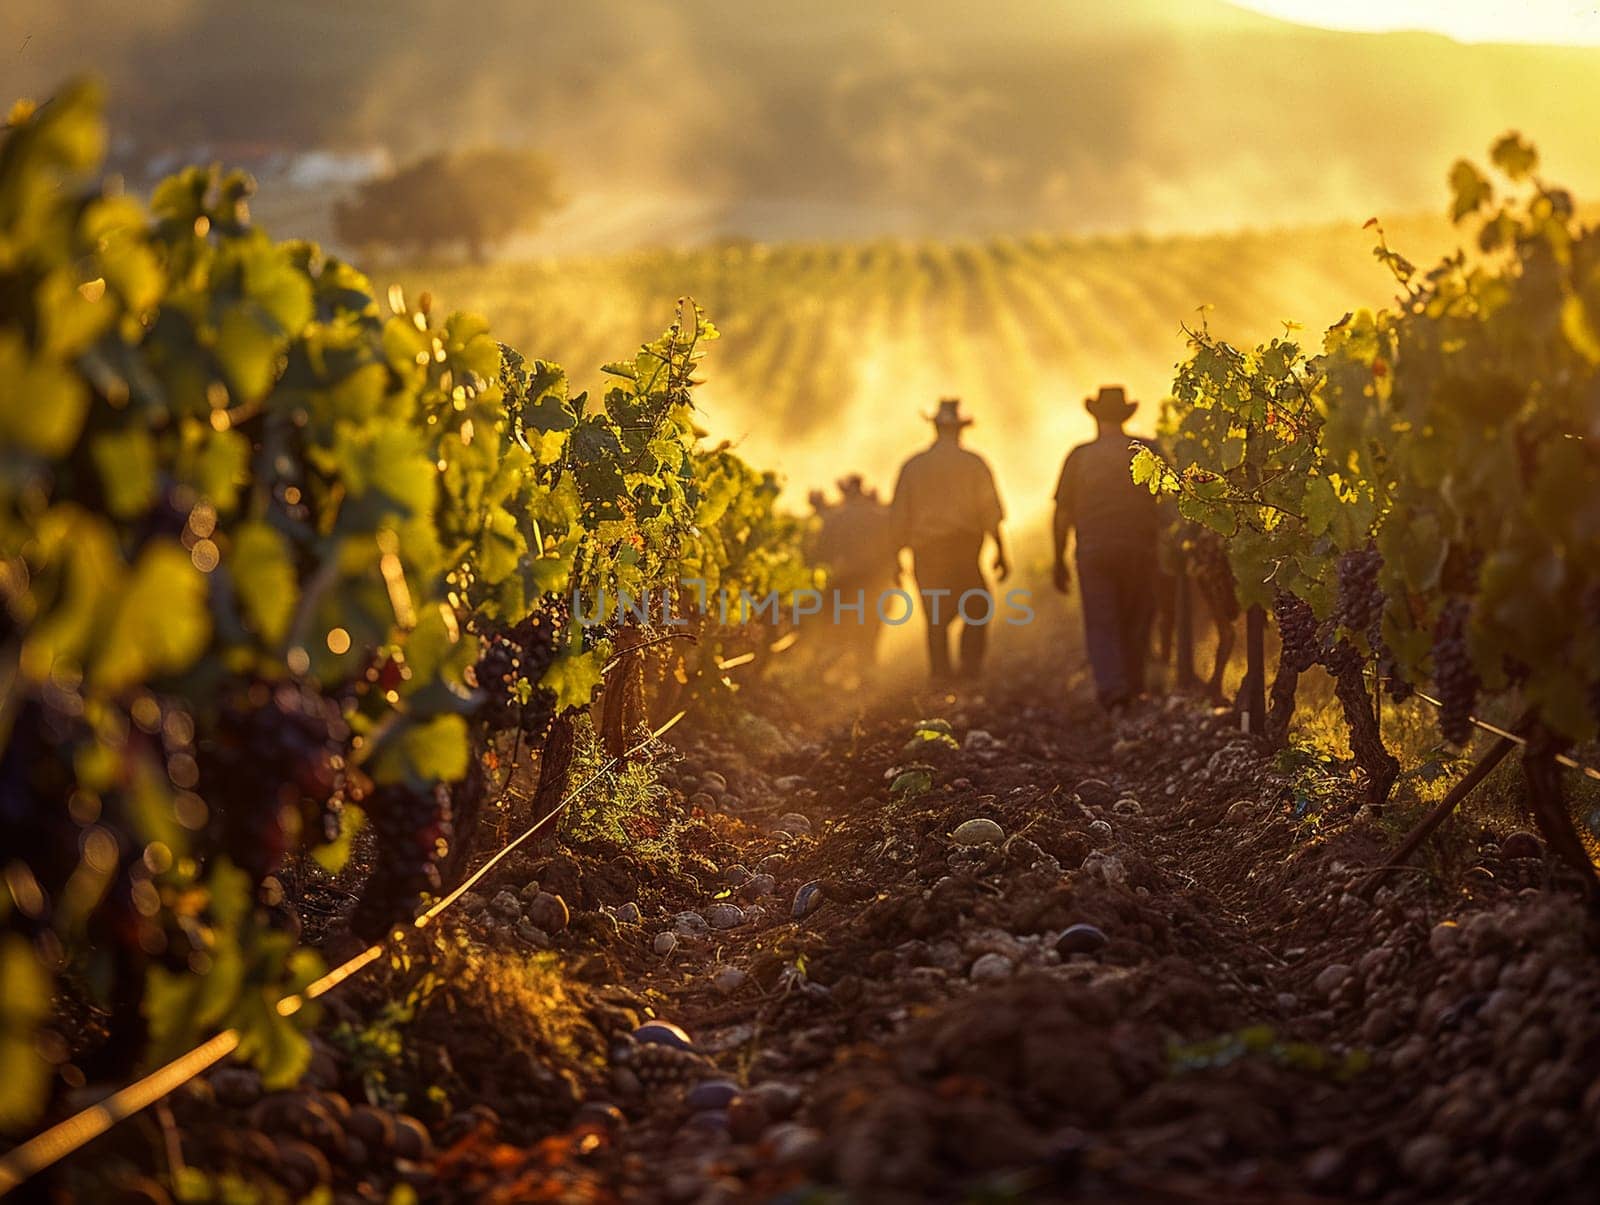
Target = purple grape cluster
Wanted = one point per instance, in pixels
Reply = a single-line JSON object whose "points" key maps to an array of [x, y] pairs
{"points": [[411, 834], [276, 749], [1454, 675], [1298, 630]]}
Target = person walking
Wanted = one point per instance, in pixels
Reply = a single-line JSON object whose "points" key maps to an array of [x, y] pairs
{"points": [[857, 549], [945, 506], [1117, 525]]}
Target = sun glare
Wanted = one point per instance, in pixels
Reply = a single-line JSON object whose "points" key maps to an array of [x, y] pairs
{"points": [[1546, 22]]}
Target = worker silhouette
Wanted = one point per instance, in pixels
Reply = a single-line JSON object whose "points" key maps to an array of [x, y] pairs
{"points": [[1117, 525], [945, 506], [856, 547]]}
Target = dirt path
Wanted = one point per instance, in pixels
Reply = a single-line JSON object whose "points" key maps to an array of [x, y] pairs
{"points": [[1074, 961]]}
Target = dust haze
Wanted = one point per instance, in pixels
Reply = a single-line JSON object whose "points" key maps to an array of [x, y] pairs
{"points": [[904, 155], [700, 119]]}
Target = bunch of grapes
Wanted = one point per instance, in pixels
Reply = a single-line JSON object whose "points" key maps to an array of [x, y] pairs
{"points": [[1453, 673], [1360, 597], [497, 671], [411, 835], [1341, 658], [273, 764], [1394, 674], [1297, 627]]}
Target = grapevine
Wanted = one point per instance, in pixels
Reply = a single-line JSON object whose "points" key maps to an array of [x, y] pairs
{"points": [[278, 553]]}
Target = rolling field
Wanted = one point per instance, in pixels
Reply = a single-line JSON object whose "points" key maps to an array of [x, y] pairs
{"points": [[831, 352]]}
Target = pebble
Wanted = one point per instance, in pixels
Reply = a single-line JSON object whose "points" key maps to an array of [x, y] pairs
{"points": [[712, 1094], [979, 741], [807, 900], [1444, 939], [759, 885], [506, 905], [728, 980], [690, 924], [771, 864], [791, 1143], [1127, 807], [780, 1100], [600, 1114], [794, 822], [991, 968], [549, 912], [236, 1087], [1330, 979], [1522, 845], [665, 943], [790, 783], [1100, 830], [628, 914], [532, 934], [712, 1120], [1108, 868], [725, 916], [713, 782], [978, 831], [662, 1033], [1080, 939], [1096, 793], [736, 875]]}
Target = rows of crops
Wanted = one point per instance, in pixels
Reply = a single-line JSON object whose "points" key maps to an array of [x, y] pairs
{"points": [[275, 554], [1421, 497], [823, 338]]}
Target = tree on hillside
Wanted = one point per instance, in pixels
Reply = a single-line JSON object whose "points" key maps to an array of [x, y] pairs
{"points": [[473, 198]]}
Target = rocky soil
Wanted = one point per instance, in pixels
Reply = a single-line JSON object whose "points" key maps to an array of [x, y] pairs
{"points": [[1015, 954]]}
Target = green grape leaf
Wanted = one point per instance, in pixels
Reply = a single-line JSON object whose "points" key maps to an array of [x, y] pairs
{"points": [[1470, 188], [1580, 329], [161, 622], [263, 571], [126, 461], [247, 352], [42, 404], [1218, 518], [25, 1004], [1513, 156], [424, 752], [334, 855], [574, 677]]}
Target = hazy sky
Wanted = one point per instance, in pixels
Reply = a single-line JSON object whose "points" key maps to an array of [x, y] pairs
{"points": [[1575, 22]]}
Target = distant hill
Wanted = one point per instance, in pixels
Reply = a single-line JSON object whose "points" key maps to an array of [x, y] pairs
{"points": [[837, 118]]}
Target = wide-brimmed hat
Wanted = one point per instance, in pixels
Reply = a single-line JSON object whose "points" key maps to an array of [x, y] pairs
{"points": [[1111, 404], [949, 414]]}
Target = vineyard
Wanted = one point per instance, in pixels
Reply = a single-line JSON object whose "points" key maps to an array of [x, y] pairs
{"points": [[828, 337], [367, 837]]}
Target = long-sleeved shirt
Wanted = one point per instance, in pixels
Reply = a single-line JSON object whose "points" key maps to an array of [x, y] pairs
{"points": [[942, 492], [1097, 495]]}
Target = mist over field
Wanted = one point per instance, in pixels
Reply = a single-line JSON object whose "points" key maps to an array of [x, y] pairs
{"points": [[673, 124], [900, 160]]}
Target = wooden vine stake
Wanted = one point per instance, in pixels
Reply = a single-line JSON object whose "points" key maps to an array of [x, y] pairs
{"points": [[555, 765], [1548, 805], [1183, 624]]}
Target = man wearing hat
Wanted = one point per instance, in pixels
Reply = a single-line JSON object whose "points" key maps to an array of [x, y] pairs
{"points": [[945, 505], [856, 548], [1117, 524]]}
